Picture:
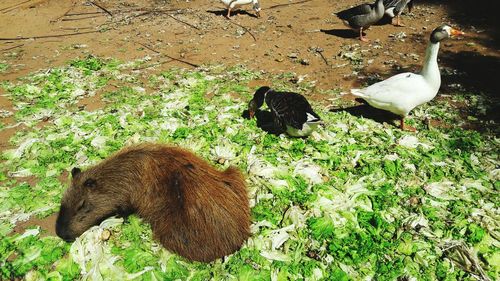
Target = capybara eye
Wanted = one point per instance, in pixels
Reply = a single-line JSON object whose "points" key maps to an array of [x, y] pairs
{"points": [[90, 183]]}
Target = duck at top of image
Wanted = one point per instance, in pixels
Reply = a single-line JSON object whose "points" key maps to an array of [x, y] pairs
{"points": [[362, 16], [235, 4], [403, 92], [290, 112], [394, 8]]}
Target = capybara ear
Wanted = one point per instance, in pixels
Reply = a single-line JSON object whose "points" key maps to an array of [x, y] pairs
{"points": [[91, 183], [75, 172]]}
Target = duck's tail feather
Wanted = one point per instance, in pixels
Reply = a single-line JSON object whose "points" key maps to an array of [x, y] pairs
{"points": [[358, 93], [312, 118]]}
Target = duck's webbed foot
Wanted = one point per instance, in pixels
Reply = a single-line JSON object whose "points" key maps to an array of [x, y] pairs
{"points": [[361, 37], [398, 22]]}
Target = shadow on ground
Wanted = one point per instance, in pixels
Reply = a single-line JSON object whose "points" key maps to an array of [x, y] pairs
{"points": [[480, 14], [223, 13], [342, 33], [366, 111]]}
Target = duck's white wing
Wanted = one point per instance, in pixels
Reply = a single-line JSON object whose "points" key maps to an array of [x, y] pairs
{"points": [[236, 3], [398, 94]]}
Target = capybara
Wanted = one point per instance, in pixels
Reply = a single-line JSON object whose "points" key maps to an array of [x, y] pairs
{"points": [[194, 210]]}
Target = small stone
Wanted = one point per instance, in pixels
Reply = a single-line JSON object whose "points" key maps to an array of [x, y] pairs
{"points": [[105, 235], [221, 161], [304, 61], [293, 55], [414, 201]]}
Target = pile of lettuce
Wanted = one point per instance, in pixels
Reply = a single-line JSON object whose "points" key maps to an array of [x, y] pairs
{"points": [[357, 200]]}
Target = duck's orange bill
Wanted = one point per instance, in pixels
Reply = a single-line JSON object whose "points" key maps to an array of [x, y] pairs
{"points": [[456, 32]]}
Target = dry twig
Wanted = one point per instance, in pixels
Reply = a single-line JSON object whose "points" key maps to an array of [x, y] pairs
{"points": [[66, 13], [288, 4], [246, 29], [82, 13], [170, 57], [465, 258], [323, 57], [75, 19], [48, 36], [186, 23], [102, 8], [147, 47], [7, 9], [13, 47]]}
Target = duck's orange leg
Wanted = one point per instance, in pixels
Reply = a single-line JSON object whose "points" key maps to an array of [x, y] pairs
{"points": [[364, 39]]}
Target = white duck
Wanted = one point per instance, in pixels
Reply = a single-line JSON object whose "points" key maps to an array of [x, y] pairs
{"points": [[234, 4], [403, 92]]}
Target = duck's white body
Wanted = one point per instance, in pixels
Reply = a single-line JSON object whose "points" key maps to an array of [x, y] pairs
{"points": [[233, 4], [403, 92]]}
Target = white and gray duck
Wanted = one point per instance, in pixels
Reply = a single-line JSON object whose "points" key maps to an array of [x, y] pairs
{"points": [[291, 112], [403, 92], [235, 4], [362, 16], [394, 8]]}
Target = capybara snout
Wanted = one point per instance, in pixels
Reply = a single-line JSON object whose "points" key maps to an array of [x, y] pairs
{"points": [[194, 209], [83, 205]]}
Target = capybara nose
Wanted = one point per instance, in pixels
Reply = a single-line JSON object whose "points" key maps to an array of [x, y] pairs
{"points": [[63, 232]]}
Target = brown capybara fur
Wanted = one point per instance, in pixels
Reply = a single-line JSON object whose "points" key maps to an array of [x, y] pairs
{"points": [[194, 210]]}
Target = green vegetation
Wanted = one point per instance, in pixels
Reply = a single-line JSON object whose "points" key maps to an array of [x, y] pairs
{"points": [[3, 67], [354, 201]]}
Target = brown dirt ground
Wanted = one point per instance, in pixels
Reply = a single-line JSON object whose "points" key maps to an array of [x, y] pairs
{"points": [[198, 33]]}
